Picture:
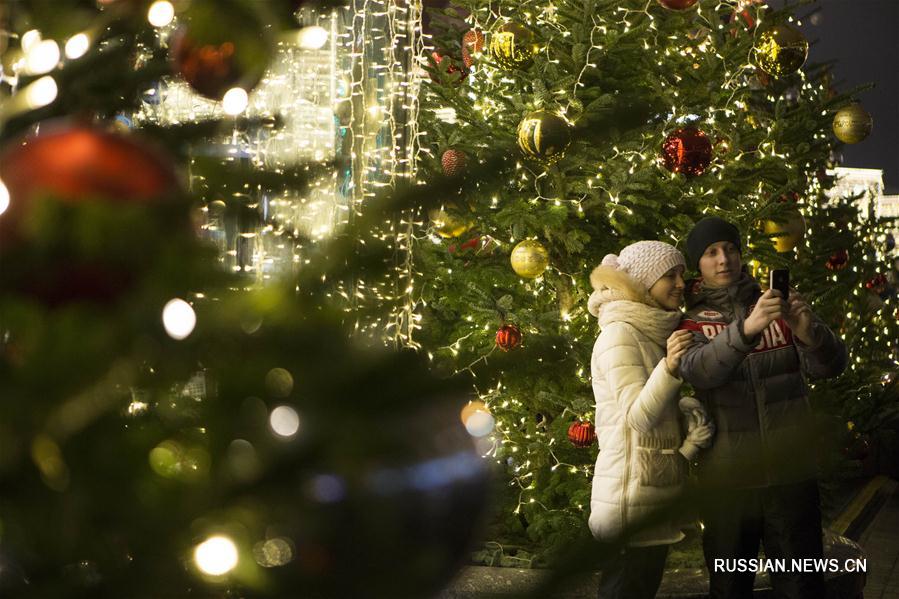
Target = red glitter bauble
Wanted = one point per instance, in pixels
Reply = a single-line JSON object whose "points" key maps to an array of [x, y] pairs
{"points": [[581, 434], [452, 68], [453, 162], [472, 43], [678, 4], [508, 337], [687, 151], [838, 260], [878, 284]]}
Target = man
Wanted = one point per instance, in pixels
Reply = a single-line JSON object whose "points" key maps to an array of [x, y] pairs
{"points": [[750, 356]]}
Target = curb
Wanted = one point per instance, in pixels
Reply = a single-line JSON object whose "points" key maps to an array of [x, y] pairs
{"points": [[860, 512]]}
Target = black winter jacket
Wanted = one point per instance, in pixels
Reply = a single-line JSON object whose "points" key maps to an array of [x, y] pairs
{"points": [[754, 389]]}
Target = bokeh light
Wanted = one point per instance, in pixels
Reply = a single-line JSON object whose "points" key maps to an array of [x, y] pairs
{"points": [[273, 552], [235, 101], [480, 424], [472, 407], [279, 382], [312, 38], [4, 198], [216, 555], [41, 93], [178, 318], [285, 421], [42, 57], [29, 39], [77, 45], [161, 13]]}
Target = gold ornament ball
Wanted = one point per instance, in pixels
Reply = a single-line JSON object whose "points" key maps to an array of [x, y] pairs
{"points": [[529, 259], [781, 50], [448, 223], [852, 124], [544, 135], [789, 233], [512, 45]]}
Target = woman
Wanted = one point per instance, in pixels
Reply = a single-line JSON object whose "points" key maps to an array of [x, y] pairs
{"points": [[643, 456]]}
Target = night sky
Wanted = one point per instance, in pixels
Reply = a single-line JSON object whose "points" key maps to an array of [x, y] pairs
{"points": [[863, 37]]}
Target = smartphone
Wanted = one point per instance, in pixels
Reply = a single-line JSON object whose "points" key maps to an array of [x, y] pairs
{"points": [[780, 280]]}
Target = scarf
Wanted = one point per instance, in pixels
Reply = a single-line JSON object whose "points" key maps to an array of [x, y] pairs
{"points": [[655, 323]]}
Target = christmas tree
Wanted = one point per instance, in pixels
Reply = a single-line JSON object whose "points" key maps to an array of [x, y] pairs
{"points": [[192, 398], [622, 120]]}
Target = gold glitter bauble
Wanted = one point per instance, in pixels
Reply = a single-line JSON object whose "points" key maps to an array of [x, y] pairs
{"points": [[852, 124], [781, 50], [448, 223], [529, 259], [544, 136], [789, 233], [512, 45]]}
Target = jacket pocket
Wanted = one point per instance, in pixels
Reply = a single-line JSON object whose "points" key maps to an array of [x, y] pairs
{"points": [[660, 467]]}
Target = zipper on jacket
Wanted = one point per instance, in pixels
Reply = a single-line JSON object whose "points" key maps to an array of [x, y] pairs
{"points": [[758, 408], [627, 475], [750, 367]]}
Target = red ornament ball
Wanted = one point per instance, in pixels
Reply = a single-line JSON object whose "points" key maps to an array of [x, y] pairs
{"points": [[218, 49], [456, 73], [878, 284], [472, 44], [687, 151], [453, 162], [508, 337], [678, 4], [838, 260], [470, 245], [73, 164], [581, 434]]}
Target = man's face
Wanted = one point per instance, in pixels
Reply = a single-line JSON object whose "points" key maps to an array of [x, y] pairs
{"points": [[720, 264]]}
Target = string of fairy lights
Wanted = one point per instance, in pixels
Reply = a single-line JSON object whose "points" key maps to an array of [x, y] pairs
{"points": [[490, 90], [345, 91]]}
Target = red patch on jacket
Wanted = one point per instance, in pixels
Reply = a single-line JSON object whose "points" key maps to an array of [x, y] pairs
{"points": [[778, 335]]}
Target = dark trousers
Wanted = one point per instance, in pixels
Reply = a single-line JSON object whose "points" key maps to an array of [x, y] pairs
{"points": [[634, 573], [785, 519]]}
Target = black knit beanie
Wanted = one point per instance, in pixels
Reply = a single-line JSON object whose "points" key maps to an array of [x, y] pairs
{"points": [[710, 230]]}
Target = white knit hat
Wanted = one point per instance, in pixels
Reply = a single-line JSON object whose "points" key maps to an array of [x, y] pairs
{"points": [[646, 261]]}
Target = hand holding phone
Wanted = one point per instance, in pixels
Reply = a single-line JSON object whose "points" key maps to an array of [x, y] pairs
{"points": [[780, 280]]}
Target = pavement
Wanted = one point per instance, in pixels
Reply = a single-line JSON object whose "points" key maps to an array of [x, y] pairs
{"points": [[880, 541], [871, 519]]}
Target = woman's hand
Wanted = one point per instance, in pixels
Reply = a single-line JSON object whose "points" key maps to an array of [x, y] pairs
{"points": [[678, 343]]}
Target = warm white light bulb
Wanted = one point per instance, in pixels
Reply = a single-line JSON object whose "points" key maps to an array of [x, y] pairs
{"points": [[77, 46], [312, 38], [161, 13], [41, 92], [4, 198], [235, 101], [42, 57], [216, 555], [285, 421], [29, 39], [179, 319]]}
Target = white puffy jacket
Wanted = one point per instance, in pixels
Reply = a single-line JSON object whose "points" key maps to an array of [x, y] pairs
{"points": [[637, 416]]}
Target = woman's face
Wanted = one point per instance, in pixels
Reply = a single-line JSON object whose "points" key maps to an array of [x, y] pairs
{"points": [[720, 264], [668, 291]]}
